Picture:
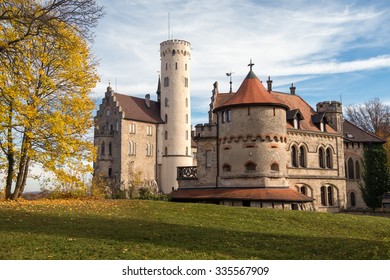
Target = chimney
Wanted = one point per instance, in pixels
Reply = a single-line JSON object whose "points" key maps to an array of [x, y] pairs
{"points": [[147, 100], [292, 89], [269, 84]]}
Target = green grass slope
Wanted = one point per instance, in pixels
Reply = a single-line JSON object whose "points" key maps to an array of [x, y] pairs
{"points": [[125, 229]]}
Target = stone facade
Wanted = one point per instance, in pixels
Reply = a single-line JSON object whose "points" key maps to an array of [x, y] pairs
{"points": [[143, 140], [269, 140]]}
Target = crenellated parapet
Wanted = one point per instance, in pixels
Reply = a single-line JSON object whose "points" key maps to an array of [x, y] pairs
{"points": [[205, 131], [175, 47], [282, 138]]}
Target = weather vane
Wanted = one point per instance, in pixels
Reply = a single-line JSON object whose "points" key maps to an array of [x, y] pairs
{"points": [[230, 75]]}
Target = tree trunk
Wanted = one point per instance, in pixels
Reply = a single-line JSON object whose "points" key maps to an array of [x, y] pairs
{"points": [[10, 175], [23, 169]]}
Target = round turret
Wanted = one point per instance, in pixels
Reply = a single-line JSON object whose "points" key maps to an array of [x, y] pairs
{"points": [[175, 110], [252, 137]]}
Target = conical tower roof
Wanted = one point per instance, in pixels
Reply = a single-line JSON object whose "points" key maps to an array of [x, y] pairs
{"points": [[252, 92]]}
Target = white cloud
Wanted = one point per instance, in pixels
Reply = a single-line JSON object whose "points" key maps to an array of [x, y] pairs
{"points": [[290, 40]]}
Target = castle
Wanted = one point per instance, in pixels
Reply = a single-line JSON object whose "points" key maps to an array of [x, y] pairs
{"points": [[260, 148]]}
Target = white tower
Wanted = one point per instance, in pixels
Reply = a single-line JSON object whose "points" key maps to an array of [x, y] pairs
{"points": [[175, 147]]}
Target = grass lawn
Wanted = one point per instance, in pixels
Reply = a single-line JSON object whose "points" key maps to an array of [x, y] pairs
{"points": [[131, 229]]}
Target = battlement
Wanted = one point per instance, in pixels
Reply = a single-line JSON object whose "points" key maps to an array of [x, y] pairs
{"points": [[329, 106], [175, 47], [205, 131]]}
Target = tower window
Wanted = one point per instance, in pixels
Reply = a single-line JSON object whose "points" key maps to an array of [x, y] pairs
{"points": [[186, 82], [186, 134], [103, 149], [250, 167], [173, 52], [186, 102], [110, 149], [166, 82], [166, 151], [208, 158], [228, 116], [166, 118], [176, 66], [166, 66], [275, 167], [185, 66], [226, 168], [186, 118], [166, 134], [186, 151], [109, 172], [166, 102]]}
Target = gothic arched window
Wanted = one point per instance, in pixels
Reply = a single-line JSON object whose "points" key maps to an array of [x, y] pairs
{"points": [[329, 161], [351, 173], [302, 157], [294, 156]]}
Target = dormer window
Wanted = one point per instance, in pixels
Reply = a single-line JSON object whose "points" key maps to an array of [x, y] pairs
{"points": [[320, 120], [294, 117]]}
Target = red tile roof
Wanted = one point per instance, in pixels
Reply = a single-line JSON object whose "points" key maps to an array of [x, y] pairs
{"points": [[251, 91], [296, 102], [135, 108], [254, 194]]}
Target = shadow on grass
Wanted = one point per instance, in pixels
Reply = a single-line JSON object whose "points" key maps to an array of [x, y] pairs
{"points": [[92, 237]]}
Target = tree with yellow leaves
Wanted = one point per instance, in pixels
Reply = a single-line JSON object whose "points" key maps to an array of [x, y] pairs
{"points": [[45, 107]]}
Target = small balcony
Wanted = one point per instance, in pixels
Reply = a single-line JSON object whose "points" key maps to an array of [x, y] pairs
{"points": [[187, 173]]}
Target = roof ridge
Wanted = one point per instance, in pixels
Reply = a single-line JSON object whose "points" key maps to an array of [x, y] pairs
{"points": [[367, 132]]}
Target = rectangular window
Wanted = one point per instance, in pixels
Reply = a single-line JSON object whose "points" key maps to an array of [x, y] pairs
{"points": [[223, 116], [166, 82], [186, 82], [228, 116], [149, 130], [132, 128], [149, 149], [208, 158], [132, 148]]}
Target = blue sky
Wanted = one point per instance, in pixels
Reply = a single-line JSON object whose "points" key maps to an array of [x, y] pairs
{"points": [[327, 49]]}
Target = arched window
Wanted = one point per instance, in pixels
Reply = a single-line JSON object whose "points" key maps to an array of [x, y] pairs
{"points": [[357, 169], [109, 149], [186, 151], [352, 197], [304, 190], [329, 161], [351, 173], [321, 159], [186, 134], [294, 156], [330, 196], [186, 118], [275, 167], [166, 102], [302, 157], [250, 166], [226, 168], [323, 196], [102, 149], [173, 52]]}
